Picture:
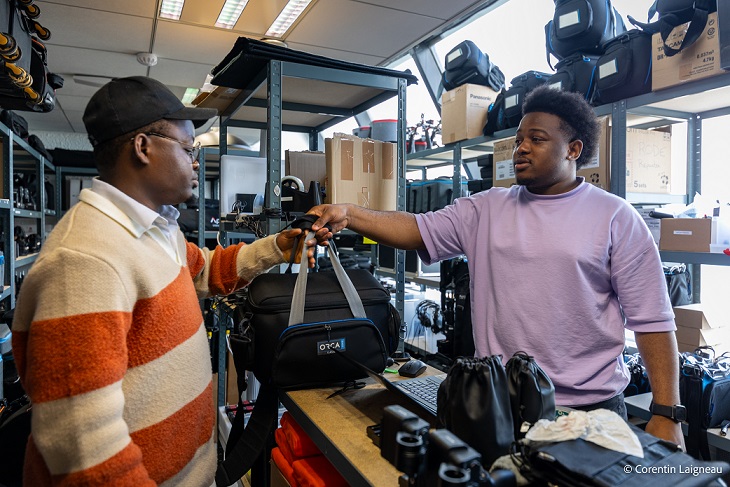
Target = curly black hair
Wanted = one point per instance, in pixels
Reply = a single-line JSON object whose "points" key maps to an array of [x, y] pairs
{"points": [[578, 121]]}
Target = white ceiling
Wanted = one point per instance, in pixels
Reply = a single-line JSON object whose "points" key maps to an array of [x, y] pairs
{"points": [[100, 40]]}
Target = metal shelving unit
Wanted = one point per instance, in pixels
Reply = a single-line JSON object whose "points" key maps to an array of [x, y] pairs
{"points": [[691, 102], [294, 97], [16, 154]]}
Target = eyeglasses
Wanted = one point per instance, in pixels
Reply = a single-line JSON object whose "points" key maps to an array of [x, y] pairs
{"points": [[192, 150]]}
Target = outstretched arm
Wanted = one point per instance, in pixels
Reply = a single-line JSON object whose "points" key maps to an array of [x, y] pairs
{"points": [[393, 228]]}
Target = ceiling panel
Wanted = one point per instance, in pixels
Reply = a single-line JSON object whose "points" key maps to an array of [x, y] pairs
{"points": [[258, 15], [62, 59], [195, 44], [94, 29], [430, 8], [180, 73], [360, 28], [142, 8], [100, 39], [203, 13], [53, 121], [353, 57]]}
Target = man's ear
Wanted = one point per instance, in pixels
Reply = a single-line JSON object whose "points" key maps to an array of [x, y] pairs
{"points": [[141, 148], [575, 148]]}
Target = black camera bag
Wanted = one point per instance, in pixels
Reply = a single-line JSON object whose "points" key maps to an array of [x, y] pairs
{"points": [[496, 118], [581, 463], [293, 327], [576, 73], [673, 13], [17, 124], [466, 63], [704, 389], [25, 83], [288, 343], [581, 26], [514, 97], [624, 70]]}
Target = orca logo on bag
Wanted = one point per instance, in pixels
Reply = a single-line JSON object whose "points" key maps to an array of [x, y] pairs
{"points": [[331, 346]]}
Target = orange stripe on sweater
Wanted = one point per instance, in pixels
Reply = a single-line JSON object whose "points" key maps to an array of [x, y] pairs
{"points": [[159, 327], [196, 419], [125, 469], [195, 259], [94, 353], [223, 276]]}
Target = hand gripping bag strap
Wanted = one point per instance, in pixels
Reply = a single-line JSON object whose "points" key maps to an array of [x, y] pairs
{"points": [[246, 444], [296, 316]]}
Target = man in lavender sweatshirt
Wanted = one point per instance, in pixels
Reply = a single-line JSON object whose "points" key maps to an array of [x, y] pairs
{"points": [[558, 267]]}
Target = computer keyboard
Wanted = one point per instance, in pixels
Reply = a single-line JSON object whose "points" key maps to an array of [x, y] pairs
{"points": [[423, 390]]}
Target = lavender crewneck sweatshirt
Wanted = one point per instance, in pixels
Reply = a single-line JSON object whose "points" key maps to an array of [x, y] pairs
{"points": [[558, 277]]}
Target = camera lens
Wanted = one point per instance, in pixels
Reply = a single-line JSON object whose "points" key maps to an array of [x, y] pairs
{"points": [[452, 475], [410, 452]]}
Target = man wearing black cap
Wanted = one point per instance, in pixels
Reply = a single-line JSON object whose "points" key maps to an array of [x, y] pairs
{"points": [[108, 333]]}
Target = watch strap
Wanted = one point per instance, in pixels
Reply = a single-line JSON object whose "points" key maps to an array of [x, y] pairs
{"points": [[676, 413]]}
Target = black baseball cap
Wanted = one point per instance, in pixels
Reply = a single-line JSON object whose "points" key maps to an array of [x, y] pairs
{"points": [[126, 104]]}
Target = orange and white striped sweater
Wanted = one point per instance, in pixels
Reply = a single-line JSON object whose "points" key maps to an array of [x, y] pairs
{"points": [[110, 346]]}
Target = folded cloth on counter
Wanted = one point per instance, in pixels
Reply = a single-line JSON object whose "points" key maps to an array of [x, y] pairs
{"points": [[248, 57], [284, 467], [300, 443], [317, 472], [600, 426]]}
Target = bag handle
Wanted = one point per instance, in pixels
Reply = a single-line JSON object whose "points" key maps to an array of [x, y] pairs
{"points": [[296, 315]]}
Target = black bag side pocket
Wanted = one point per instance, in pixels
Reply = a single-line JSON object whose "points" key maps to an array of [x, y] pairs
{"points": [[305, 351], [624, 70]]}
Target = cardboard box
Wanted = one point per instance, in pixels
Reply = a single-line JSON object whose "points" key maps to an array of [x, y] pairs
{"points": [[361, 171], [597, 172], [220, 98], [307, 166], [700, 60], [686, 234], [702, 337], [464, 112], [702, 316], [648, 161]]}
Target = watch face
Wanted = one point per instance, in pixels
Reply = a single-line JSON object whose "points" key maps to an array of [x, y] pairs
{"points": [[680, 413]]}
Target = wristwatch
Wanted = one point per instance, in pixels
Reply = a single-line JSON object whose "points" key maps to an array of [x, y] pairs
{"points": [[676, 413]]}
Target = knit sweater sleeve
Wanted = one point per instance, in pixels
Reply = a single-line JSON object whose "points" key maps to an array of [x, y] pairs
{"points": [[72, 365], [223, 270]]}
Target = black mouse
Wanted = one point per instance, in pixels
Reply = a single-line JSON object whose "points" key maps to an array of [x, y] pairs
{"points": [[412, 368]]}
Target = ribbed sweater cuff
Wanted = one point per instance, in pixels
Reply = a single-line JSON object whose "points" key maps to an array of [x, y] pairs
{"points": [[258, 257]]}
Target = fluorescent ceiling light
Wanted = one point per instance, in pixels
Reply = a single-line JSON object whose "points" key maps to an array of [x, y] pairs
{"points": [[286, 18], [230, 12], [190, 95], [171, 9]]}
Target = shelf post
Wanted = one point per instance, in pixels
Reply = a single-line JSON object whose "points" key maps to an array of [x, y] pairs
{"points": [[618, 149], [273, 147], [694, 185], [400, 255]]}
